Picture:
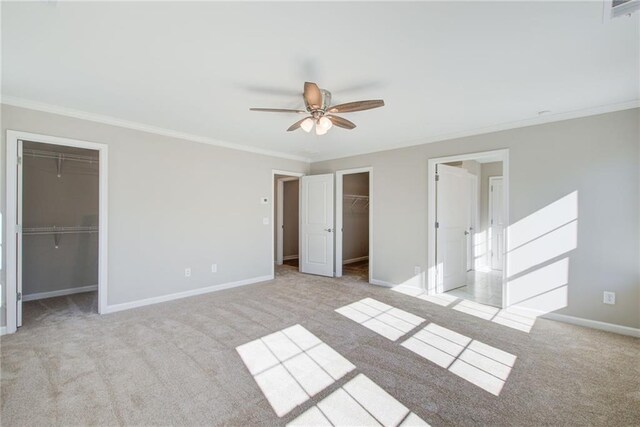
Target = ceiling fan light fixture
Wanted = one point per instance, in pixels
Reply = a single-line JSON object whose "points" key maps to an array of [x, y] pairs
{"points": [[324, 123], [321, 130], [307, 124]]}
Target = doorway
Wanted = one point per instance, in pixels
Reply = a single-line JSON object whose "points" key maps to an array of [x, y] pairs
{"points": [[467, 216], [56, 209], [287, 221], [353, 223], [315, 223]]}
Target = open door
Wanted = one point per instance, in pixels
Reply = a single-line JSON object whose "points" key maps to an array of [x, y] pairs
{"points": [[316, 225], [453, 222]]}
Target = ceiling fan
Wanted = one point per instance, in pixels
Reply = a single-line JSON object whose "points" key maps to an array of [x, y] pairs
{"points": [[321, 112]]}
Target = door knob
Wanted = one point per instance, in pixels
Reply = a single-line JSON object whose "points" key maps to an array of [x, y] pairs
{"points": [[327, 229], [466, 232]]}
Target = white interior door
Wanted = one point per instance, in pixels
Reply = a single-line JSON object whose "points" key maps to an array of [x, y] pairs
{"points": [[19, 239], [453, 217], [316, 225], [473, 214], [496, 221]]}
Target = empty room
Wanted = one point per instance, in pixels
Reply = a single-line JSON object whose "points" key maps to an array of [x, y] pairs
{"points": [[310, 213]]}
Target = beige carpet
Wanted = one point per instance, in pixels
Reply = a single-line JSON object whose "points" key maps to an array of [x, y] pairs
{"points": [[175, 363]]}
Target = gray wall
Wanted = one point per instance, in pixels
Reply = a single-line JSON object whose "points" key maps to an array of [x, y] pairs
{"points": [[596, 156], [68, 200], [487, 170], [355, 225], [172, 204]]}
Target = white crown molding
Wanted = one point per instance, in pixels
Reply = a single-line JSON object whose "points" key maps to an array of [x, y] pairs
{"points": [[98, 118], [113, 121], [547, 118]]}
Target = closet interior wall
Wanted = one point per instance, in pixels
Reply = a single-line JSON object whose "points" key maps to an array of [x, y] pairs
{"points": [[355, 220], [59, 192]]}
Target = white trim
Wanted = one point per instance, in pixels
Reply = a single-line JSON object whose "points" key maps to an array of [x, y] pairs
{"points": [[280, 219], [275, 172], [499, 155], [489, 236], [178, 295], [354, 260], [538, 120], [339, 194], [290, 257], [113, 121], [11, 219], [594, 324], [381, 283], [59, 293], [99, 118], [3, 330]]}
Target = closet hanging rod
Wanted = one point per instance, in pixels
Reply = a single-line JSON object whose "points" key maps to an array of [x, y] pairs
{"points": [[59, 230], [355, 196], [55, 155]]}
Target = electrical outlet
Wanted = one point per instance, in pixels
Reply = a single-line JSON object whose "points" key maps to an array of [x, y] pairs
{"points": [[187, 272], [416, 270], [214, 268], [609, 297]]}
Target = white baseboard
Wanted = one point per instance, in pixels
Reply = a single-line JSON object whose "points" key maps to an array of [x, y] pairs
{"points": [[59, 293], [352, 260], [290, 257], [178, 295], [381, 283], [3, 330], [595, 324]]}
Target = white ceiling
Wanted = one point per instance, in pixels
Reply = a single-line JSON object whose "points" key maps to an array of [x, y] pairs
{"points": [[443, 69]]}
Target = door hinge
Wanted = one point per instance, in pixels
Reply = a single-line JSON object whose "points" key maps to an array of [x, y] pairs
{"points": [[492, 188], [19, 160], [18, 228], [437, 224], [19, 296], [492, 222], [437, 177]]}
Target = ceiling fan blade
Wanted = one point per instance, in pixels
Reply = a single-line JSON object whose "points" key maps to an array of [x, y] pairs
{"points": [[277, 110], [340, 122], [297, 124], [356, 106], [312, 95]]}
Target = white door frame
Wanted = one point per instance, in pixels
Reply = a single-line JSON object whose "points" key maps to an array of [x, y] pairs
{"points": [[294, 175], [499, 155], [475, 220], [339, 207], [489, 217], [280, 218], [13, 222]]}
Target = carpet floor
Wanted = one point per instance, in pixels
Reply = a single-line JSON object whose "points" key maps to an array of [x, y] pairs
{"points": [[176, 363]]}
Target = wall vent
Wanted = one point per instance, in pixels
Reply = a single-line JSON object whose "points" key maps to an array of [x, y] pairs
{"points": [[622, 7]]}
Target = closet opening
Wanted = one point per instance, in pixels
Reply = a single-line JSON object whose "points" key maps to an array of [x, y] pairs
{"points": [[353, 224], [59, 214], [56, 221]]}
